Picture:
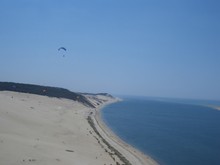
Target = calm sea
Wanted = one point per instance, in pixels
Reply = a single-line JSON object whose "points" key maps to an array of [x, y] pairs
{"points": [[171, 132]]}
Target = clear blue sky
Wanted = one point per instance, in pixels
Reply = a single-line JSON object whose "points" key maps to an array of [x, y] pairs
{"points": [[167, 48]]}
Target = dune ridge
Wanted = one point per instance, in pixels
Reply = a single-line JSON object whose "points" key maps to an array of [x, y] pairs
{"points": [[36, 129]]}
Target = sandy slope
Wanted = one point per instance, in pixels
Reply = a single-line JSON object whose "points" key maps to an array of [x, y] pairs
{"points": [[48, 131], [40, 130]]}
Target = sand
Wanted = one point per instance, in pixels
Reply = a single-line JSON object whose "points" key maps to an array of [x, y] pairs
{"points": [[50, 131], [217, 107], [214, 107]]}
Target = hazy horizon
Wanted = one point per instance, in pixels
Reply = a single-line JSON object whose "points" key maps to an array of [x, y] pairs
{"points": [[144, 48]]}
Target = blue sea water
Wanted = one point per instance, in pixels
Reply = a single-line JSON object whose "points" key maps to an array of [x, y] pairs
{"points": [[171, 132]]}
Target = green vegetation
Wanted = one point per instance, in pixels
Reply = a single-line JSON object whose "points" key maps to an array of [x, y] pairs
{"points": [[45, 91]]}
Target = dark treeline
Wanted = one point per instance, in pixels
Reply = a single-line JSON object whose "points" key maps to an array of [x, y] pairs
{"points": [[45, 91]]}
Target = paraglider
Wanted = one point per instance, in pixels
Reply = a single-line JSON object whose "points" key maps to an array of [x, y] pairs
{"points": [[62, 49]]}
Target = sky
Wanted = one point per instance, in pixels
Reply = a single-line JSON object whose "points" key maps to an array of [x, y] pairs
{"points": [[144, 47]]}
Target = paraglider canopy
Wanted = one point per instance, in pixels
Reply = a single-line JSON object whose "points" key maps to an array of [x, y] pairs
{"points": [[62, 48]]}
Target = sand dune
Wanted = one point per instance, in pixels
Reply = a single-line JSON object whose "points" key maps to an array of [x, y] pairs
{"points": [[41, 130]]}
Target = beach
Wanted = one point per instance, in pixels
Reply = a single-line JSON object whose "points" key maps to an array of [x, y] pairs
{"points": [[46, 130], [216, 107]]}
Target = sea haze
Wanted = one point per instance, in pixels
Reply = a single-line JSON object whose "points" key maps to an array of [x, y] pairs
{"points": [[170, 132]]}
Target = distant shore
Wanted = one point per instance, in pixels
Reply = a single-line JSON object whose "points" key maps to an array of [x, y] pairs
{"points": [[44, 130], [214, 107], [217, 107]]}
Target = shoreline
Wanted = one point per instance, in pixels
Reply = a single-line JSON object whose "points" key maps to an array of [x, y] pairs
{"points": [[215, 107], [133, 155], [57, 131], [38, 129]]}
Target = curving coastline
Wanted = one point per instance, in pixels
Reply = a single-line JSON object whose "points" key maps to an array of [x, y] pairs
{"points": [[44, 130], [131, 155]]}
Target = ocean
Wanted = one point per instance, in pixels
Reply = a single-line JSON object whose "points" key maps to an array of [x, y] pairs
{"points": [[171, 131]]}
